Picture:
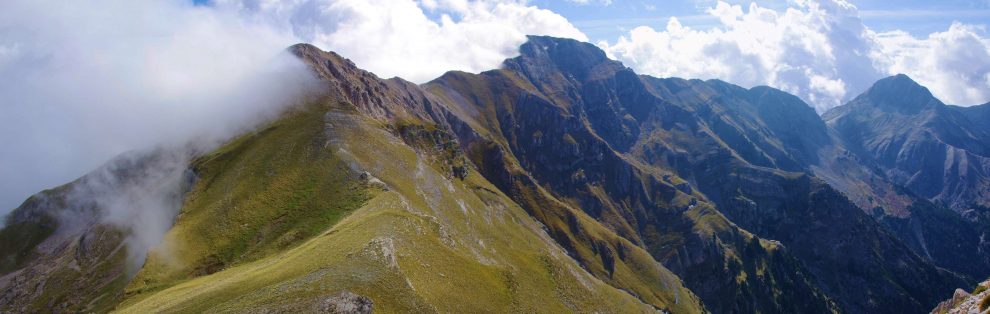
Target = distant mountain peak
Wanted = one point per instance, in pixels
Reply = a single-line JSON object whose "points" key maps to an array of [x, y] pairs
{"points": [[900, 92], [322, 60], [553, 47], [566, 55], [899, 81]]}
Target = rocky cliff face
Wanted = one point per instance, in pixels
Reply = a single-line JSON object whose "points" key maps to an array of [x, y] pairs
{"points": [[963, 302], [766, 128], [535, 143], [588, 122]]}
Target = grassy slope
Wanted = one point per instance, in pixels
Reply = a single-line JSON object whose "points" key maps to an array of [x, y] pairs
{"points": [[426, 243], [260, 194]]}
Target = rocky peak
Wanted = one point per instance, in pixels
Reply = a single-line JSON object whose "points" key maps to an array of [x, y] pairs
{"points": [[327, 64], [939, 152], [578, 60], [385, 99], [900, 93], [978, 115]]}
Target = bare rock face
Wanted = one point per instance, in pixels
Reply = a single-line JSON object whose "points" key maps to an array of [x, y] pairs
{"points": [[963, 302], [575, 122], [640, 154], [344, 302]]}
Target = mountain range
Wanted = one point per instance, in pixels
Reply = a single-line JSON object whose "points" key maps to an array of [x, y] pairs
{"points": [[561, 182]]}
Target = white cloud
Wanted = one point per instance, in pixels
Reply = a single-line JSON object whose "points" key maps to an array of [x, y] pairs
{"points": [[954, 64], [398, 38], [587, 2], [818, 50], [86, 81]]}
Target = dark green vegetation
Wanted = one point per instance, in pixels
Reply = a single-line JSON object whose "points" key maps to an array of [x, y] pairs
{"points": [[563, 182], [19, 237]]}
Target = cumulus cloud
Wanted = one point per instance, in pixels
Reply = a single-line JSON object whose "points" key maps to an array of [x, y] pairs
{"points": [[586, 2], [955, 63], [399, 38], [86, 81], [818, 50]]}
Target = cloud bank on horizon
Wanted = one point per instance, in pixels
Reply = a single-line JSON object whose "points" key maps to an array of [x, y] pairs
{"points": [[87, 81], [819, 50]]}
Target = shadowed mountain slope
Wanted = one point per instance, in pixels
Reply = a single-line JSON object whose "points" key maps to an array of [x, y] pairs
{"points": [[935, 151], [595, 134], [768, 128], [939, 152]]}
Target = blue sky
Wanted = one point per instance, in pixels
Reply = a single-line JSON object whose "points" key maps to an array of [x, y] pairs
{"points": [[607, 22]]}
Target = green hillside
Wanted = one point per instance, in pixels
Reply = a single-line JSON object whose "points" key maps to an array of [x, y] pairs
{"points": [[282, 218]]}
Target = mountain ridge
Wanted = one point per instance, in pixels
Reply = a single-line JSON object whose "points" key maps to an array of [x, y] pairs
{"points": [[616, 125], [944, 158], [622, 191]]}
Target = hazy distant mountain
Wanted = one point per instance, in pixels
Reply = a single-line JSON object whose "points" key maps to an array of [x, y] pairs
{"points": [[939, 152], [562, 182]]}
